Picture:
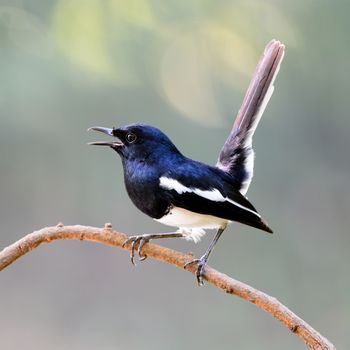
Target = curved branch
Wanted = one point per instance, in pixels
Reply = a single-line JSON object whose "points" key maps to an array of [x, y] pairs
{"points": [[107, 236]]}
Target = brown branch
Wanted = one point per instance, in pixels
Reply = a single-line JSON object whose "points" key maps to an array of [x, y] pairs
{"points": [[107, 236]]}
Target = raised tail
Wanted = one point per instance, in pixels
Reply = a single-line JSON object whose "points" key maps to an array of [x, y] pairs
{"points": [[237, 155]]}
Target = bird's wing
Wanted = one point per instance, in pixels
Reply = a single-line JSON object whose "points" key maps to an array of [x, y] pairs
{"points": [[237, 155], [207, 195]]}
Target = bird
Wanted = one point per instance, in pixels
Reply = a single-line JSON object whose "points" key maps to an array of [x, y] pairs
{"points": [[181, 192]]}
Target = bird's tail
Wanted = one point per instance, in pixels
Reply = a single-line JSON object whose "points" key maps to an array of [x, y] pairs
{"points": [[259, 224], [237, 155]]}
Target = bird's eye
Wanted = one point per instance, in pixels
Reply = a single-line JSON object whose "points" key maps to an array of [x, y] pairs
{"points": [[131, 137]]}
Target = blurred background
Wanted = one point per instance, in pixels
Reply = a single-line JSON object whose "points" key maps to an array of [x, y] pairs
{"points": [[183, 66]]}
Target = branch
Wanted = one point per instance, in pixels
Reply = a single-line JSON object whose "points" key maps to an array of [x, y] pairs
{"points": [[107, 236]]}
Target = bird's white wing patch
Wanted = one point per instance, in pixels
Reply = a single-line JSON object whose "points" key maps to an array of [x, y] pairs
{"points": [[213, 194], [172, 184]]}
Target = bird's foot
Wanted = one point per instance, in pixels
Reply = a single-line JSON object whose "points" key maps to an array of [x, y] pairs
{"points": [[140, 240], [200, 268]]}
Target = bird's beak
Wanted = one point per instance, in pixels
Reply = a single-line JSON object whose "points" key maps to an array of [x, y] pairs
{"points": [[113, 144]]}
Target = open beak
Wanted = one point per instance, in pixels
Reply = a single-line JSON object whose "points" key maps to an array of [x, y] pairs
{"points": [[107, 131]]}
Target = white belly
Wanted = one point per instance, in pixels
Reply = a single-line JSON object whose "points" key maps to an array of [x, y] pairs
{"points": [[190, 223]]}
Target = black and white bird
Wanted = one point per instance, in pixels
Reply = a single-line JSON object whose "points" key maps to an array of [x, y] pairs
{"points": [[177, 191]]}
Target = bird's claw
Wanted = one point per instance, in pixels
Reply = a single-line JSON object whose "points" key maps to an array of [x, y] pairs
{"points": [[140, 241], [200, 268]]}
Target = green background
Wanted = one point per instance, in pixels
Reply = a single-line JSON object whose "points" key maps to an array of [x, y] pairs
{"points": [[183, 66]]}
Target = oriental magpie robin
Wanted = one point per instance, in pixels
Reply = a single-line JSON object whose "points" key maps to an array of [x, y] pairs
{"points": [[181, 192], [178, 191]]}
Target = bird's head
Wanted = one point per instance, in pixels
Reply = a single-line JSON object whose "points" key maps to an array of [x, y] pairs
{"points": [[136, 141]]}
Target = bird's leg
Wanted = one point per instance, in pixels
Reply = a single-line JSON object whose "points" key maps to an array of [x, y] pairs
{"points": [[141, 240], [203, 260]]}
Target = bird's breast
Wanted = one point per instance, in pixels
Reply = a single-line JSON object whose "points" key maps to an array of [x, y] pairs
{"points": [[142, 185]]}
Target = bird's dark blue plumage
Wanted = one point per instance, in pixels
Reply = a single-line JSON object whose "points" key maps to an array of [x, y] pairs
{"points": [[158, 178]]}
